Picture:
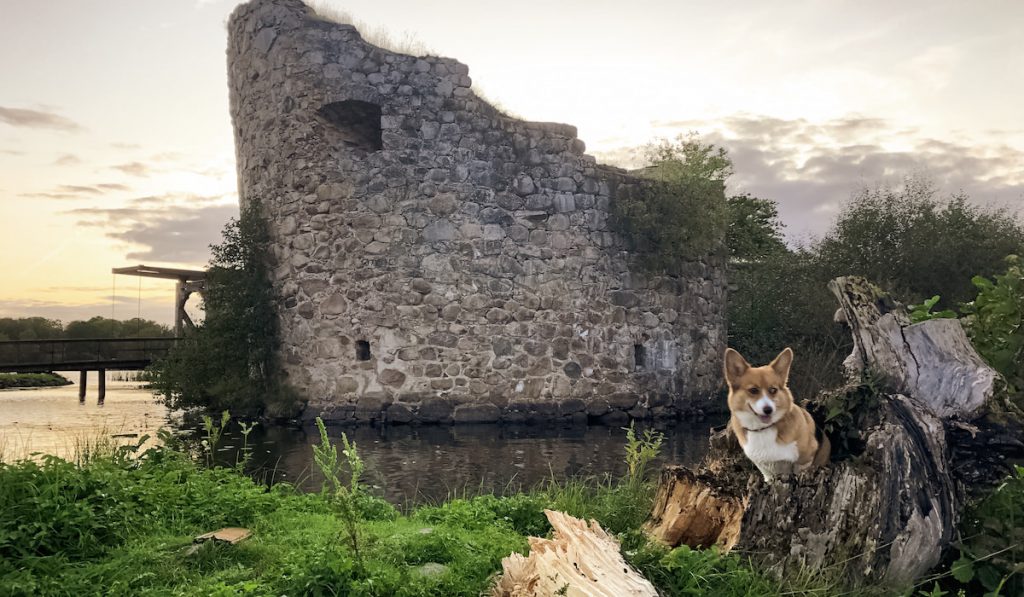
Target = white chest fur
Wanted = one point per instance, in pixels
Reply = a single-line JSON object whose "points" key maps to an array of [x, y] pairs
{"points": [[763, 447]]}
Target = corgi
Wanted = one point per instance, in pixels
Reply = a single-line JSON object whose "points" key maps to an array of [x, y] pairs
{"points": [[778, 436]]}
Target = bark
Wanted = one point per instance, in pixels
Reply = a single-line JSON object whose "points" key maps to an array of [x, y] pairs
{"points": [[925, 427], [580, 560]]}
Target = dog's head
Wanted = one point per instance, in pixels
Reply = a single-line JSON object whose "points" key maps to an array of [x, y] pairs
{"points": [[758, 396]]}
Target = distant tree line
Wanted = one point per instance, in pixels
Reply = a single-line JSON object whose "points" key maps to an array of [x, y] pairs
{"points": [[41, 328]]}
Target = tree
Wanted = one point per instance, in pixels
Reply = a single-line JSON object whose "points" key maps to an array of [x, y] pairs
{"points": [[677, 212], [101, 327], [229, 361], [754, 231], [30, 328], [916, 244]]}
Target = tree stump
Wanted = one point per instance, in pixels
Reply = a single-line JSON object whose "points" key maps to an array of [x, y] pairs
{"points": [[580, 560], [920, 405]]}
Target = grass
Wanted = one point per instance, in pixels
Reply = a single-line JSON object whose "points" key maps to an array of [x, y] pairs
{"points": [[32, 380], [123, 520], [380, 36]]}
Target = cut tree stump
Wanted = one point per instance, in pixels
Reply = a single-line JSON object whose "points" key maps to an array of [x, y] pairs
{"points": [[928, 427], [580, 560]]}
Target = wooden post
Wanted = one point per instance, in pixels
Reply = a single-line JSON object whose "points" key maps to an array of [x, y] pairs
{"points": [[82, 377], [103, 386], [179, 308]]}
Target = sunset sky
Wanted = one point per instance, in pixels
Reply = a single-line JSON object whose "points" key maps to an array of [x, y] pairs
{"points": [[116, 145]]}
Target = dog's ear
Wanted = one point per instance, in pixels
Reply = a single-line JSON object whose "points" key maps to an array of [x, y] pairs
{"points": [[735, 365], [782, 363]]}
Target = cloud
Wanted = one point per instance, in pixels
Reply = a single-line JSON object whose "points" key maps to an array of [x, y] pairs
{"points": [[110, 186], [812, 168], [172, 229], [73, 188], [134, 168], [126, 145], [12, 152], [71, 191], [23, 117], [67, 159]]}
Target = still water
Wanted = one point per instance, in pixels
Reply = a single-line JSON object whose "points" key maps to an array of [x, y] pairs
{"points": [[405, 464]]}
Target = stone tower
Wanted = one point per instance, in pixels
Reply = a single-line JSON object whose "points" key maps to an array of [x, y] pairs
{"points": [[437, 260]]}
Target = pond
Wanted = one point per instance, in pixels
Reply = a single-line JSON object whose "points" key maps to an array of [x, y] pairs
{"points": [[405, 464]]}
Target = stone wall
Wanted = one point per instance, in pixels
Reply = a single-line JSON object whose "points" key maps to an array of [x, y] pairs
{"points": [[439, 261]]}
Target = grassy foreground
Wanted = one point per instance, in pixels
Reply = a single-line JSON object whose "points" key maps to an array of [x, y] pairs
{"points": [[122, 523]]}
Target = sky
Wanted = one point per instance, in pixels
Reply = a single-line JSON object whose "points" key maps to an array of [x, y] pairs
{"points": [[116, 146]]}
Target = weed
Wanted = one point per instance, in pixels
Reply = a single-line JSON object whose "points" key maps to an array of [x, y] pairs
{"points": [[213, 434], [923, 312], [640, 451], [344, 499]]}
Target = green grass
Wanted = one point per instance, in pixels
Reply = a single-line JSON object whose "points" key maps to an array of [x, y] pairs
{"points": [[122, 524], [31, 380]]}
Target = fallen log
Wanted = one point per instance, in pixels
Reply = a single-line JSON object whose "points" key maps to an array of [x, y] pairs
{"points": [[580, 560], [907, 433]]}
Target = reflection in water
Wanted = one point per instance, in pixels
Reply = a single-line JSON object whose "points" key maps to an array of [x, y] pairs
{"points": [[51, 420], [405, 464], [408, 464]]}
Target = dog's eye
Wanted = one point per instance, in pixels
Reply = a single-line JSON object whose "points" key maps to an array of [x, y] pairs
{"points": [[752, 390], [772, 391]]}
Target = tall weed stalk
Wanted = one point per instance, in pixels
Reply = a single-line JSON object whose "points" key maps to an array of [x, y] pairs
{"points": [[344, 499]]}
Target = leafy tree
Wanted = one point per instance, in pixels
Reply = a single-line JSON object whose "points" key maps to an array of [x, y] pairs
{"points": [[228, 362], [916, 244], [754, 231], [101, 327], [678, 212], [30, 328]]}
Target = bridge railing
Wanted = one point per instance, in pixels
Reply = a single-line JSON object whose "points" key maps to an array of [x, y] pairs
{"points": [[75, 353]]}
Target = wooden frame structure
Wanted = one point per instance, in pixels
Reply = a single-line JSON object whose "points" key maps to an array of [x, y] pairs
{"points": [[188, 281]]}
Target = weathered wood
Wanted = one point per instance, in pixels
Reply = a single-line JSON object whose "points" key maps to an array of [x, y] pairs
{"points": [[932, 361], [580, 560], [690, 510], [886, 508]]}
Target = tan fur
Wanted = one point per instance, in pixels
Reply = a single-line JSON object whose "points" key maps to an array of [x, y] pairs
{"points": [[747, 386]]}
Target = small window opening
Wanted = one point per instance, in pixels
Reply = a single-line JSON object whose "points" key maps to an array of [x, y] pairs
{"points": [[639, 357], [363, 350], [354, 123]]}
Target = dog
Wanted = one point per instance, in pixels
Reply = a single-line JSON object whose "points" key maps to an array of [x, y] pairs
{"points": [[776, 434]]}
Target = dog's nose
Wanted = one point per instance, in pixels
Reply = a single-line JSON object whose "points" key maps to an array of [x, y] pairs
{"points": [[768, 409]]}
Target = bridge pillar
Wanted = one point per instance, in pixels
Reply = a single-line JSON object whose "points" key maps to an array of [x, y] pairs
{"points": [[83, 376], [103, 386]]}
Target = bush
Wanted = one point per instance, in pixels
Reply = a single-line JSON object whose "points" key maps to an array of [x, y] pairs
{"points": [[678, 211], [992, 541], [995, 322], [915, 244], [229, 362]]}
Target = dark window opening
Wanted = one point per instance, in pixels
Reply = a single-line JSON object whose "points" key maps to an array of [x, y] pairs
{"points": [[639, 357], [354, 123], [362, 350]]}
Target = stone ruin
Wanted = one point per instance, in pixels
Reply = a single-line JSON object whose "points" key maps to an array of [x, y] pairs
{"points": [[437, 260]]}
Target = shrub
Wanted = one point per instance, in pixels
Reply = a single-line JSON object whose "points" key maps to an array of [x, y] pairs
{"points": [[995, 321], [916, 244], [678, 211], [229, 362], [992, 540]]}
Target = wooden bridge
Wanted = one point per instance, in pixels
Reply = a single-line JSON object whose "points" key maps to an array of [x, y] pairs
{"points": [[100, 354]]}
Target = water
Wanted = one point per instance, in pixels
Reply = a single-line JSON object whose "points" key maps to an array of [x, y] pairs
{"points": [[405, 464]]}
